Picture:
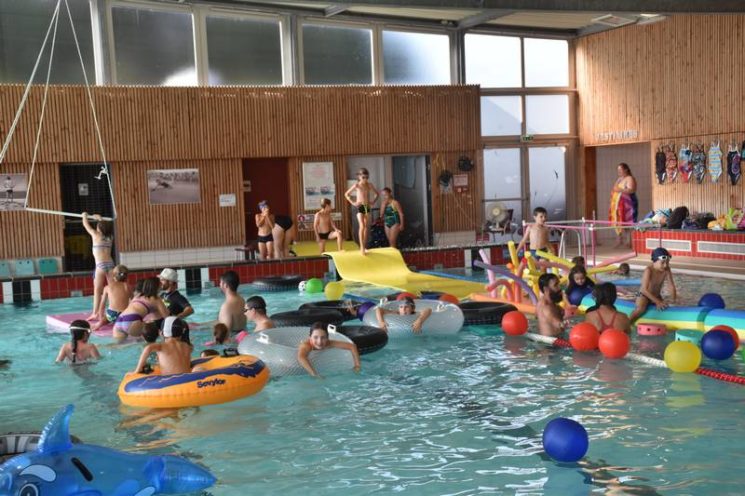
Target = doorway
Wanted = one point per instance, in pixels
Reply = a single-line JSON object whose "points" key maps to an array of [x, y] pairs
{"points": [[82, 191], [264, 179], [412, 187]]}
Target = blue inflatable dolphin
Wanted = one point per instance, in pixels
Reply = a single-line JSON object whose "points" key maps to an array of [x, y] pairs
{"points": [[60, 468]]}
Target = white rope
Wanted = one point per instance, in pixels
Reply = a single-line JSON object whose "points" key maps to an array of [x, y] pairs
{"points": [[93, 111], [631, 356], [24, 98], [43, 109]]}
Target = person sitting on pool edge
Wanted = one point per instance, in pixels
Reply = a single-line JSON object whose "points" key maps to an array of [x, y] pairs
{"points": [[255, 311], [174, 354], [318, 340], [405, 307], [603, 314], [652, 281], [78, 350], [548, 311]]}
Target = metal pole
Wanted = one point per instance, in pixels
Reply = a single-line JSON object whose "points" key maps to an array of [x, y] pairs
{"points": [[64, 214]]}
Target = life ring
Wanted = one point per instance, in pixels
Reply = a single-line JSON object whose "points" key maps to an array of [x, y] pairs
{"points": [[368, 339], [446, 319], [484, 313], [277, 283], [306, 317], [278, 349], [14, 444], [424, 295], [223, 379], [341, 306]]}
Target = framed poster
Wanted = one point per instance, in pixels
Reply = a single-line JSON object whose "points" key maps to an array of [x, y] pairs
{"points": [[13, 194], [318, 183], [173, 186]]}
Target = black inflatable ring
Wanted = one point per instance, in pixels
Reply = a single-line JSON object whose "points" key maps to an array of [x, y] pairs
{"points": [[277, 283], [484, 312], [341, 306], [368, 339], [425, 295], [306, 317]]}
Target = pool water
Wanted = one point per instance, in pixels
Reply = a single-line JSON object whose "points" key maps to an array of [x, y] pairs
{"points": [[460, 415]]}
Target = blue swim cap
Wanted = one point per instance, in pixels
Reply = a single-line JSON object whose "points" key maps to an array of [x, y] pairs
{"points": [[660, 252]]}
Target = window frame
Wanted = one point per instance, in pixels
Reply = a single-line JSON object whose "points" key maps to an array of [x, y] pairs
{"points": [[134, 4], [380, 76]]}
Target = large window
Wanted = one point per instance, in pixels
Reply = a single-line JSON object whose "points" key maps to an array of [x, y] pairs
{"points": [[244, 51], [416, 58], [501, 115], [493, 61], [153, 47], [547, 114], [337, 54], [546, 62], [23, 25], [547, 180]]}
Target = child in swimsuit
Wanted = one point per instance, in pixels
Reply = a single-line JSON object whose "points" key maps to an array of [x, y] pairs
{"points": [[362, 203], [392, 215], [537, 233], [603, 314], [102, 242], [78, 350], [578, 280], [324, 227], [318, 340], [653, 279], [118, 294], [265, 224], [131, 321]]}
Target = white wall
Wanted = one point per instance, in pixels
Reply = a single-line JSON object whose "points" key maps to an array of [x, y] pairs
{"points": [[638, 156]]}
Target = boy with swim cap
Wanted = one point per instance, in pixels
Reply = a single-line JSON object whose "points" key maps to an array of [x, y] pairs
{"points": [[174, 354], [652, 281]]}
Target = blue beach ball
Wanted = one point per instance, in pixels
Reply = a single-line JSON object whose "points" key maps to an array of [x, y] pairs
{"points": [[711, 300], [577, 295], [565, 440], [718, 345]]}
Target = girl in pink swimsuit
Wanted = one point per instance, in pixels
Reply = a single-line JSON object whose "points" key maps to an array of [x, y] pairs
{"points": [[603, 314], [131, 322]]}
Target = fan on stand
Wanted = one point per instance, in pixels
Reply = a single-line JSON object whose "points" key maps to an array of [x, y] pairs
{"points": [[499, 219]]}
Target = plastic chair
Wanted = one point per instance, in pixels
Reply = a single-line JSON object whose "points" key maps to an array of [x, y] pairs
{"points": [[4, 270], [25, 268], [48, 266]]}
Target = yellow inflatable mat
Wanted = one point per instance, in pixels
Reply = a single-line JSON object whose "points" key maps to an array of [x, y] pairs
{"points": [[386, 267]]}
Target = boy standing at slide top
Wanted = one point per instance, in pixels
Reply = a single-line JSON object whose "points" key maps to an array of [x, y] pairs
{"points": [[538, 234], [362, 189], [324, 227], [652, 281]]}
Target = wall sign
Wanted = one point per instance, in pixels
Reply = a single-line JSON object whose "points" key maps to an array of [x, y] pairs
{"points": [[173, 186], [227, 200], [626, 134], [460, 183], [318, 183]]}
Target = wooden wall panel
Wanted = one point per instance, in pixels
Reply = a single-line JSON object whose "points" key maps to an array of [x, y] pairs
{"points": [[716, 198], [143, 227], [158, 123], [297, 196], [453, 211], [668, 80], [33, 235]]}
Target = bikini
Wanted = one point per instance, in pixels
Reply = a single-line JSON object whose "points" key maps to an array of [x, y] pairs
{"points": [[106, 265], [124, 322]]}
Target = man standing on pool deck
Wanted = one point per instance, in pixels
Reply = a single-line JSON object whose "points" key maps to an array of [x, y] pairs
{"points": [[652, 281], [175, 302], [547, 311], [362, 203], [231, 311]]}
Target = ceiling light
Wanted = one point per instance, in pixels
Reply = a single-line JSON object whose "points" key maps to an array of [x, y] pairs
{"points": [[613, 20]]}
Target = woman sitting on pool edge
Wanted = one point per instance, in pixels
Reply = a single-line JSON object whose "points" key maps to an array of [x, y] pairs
{"points": [[405, 307], [318, 340], [603, 314]]}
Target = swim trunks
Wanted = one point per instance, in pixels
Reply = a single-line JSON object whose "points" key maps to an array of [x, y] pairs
{"points": [[265, 239], [323, 235], [112, 315], [363, 209]]}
